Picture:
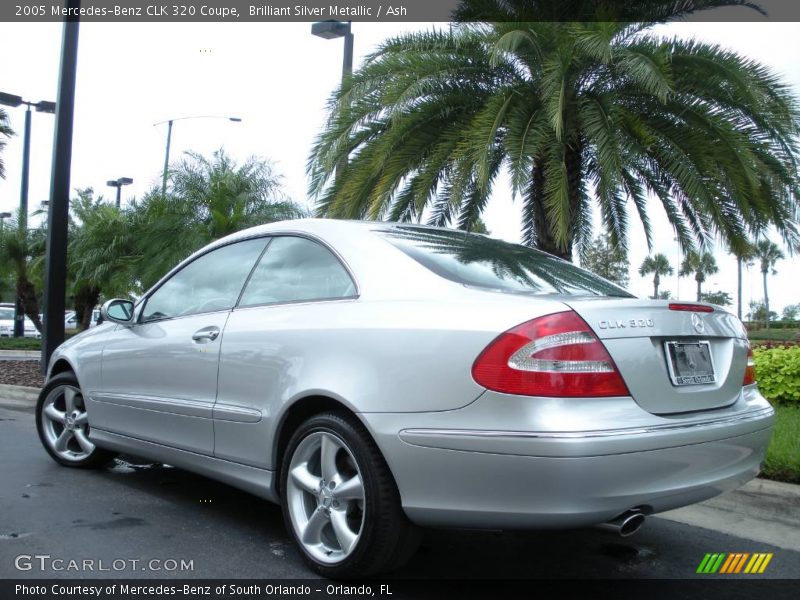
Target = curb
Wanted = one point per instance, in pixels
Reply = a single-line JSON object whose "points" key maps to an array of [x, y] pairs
{"points": [[18, 396], [25, 353]]}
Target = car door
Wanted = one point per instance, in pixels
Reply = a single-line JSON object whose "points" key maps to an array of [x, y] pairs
{"points": [[159, 376], [298, 285]]}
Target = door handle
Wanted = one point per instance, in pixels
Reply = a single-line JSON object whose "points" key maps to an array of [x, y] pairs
{"points": [[208, 334]]}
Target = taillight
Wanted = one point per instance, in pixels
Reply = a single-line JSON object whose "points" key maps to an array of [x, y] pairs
{"points": [[556, 355], [750, 369]]}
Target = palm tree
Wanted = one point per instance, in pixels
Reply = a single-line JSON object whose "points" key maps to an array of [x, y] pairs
{"points": [[745, 252], [5, 132], [425, 126], [209, 198], [701, 265], [102, 252], [768, 253], [658, 265], [22, 250]]}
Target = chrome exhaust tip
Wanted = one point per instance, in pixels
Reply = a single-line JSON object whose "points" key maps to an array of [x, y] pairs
{"points": [[626, 524]]}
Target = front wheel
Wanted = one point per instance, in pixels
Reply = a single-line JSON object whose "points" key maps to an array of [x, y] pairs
{"points": [[340, 501], [63, 424]]}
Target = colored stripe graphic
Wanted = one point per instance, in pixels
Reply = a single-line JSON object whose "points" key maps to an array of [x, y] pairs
{"points": [[711, 563], [767, 558], [734, 563], [728, 564]]}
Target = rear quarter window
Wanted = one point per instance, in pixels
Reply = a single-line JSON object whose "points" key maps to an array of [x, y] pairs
{"points": [[484, 262]]}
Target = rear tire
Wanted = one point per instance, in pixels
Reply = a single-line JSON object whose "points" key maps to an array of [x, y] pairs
{"points": [[63, 425], [340, 502]]}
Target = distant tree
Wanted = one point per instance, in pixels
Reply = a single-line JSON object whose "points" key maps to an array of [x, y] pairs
{"points": [[745, 253], [768, 253], [208, 198], [759, 313], [664, 295], [5, 132], [658, 264], [791, 312], [479, 226], [608, 260], [701, 265], [719, 298]]}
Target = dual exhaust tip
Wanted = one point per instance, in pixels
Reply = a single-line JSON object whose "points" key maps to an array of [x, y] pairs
{"points": [[626, 524]]}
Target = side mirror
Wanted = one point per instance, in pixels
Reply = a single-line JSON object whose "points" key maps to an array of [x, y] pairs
{"points": [[117, 311]]}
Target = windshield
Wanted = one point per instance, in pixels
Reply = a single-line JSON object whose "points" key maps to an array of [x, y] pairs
{"points": [[480, 261]]}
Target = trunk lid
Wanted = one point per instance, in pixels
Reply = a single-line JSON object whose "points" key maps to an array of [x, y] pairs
{"points": [[637, 333]]}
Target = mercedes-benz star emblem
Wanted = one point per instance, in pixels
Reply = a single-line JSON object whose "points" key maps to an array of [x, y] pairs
{"points": [[697, 322]]}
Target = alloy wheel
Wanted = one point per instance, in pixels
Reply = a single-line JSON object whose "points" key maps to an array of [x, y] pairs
{"points": [[325, 495], [65, 423]]}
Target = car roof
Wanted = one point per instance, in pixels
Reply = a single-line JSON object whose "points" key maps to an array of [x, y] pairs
{"points": [[326, 226]]}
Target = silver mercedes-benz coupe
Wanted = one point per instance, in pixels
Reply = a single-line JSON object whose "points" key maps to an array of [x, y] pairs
{"points": [[374, 377]]}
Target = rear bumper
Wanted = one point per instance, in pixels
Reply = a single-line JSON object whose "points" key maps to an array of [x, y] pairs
{"points": [[560, 464]]}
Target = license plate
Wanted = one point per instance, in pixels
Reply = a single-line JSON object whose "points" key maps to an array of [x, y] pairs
{"points": [[690, 363]]}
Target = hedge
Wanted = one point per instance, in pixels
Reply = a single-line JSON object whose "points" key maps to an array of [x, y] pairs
{"points": [[778, 374]]}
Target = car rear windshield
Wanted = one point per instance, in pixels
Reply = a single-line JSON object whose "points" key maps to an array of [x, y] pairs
{"points": [[484, 262]]}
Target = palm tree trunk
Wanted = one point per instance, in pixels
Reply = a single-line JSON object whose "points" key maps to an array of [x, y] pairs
{"points": [[699, 288], [542, 227], [542, 234], [656, 282], [739, 287], [766, 299], [85, 300], [30, 303]]}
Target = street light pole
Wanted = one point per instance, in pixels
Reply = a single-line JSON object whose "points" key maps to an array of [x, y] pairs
{"points": [[169, 123], [166, 159], [55, 278], [330, 30], [19, 309], [347, 63], [26, 168]]}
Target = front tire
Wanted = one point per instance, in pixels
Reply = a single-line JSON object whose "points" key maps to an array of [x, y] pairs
{"points": [[340, 501], [63, 425]]}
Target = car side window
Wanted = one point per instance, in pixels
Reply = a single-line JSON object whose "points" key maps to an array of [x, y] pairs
{"points": [[295, 269], [210, 283]]}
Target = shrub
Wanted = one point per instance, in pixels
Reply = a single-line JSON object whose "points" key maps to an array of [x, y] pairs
{"points": [[778, 373]]}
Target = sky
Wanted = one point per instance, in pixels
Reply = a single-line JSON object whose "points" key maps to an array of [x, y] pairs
{"points": [[277, 79]]}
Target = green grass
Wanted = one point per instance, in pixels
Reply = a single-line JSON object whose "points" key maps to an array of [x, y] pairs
{"points": [[10, 343], [779, 335], [783, 454]]}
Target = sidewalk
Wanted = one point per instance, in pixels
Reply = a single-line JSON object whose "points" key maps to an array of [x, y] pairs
{"points": [[763, 510]]}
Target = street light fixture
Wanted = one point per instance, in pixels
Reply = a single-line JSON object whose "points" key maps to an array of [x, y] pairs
{"points": [[118, 183], [169, 140], [44, 106], [330, 30]]}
